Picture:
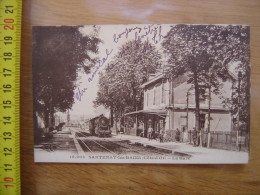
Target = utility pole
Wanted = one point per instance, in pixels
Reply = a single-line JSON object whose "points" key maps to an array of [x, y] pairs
{"points": [[238, 115], [209, 115], [172, 89], [232, 107], [170, 113], [124, 120], [187, 111], [187, 114]]}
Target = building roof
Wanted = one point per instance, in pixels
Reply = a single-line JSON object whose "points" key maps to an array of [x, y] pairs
{"points": [[180, 79], [157, 77], [160, 112]]}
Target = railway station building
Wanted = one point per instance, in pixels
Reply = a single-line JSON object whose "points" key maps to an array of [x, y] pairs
{"points": [[169, 104]]}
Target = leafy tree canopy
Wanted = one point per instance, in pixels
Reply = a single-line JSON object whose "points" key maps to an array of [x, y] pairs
{"points": [[120, 84], [206, 52], [58, 53]]}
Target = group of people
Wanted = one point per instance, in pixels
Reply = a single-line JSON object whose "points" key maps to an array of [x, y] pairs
{"points": [[150, 134], [178, 135]]}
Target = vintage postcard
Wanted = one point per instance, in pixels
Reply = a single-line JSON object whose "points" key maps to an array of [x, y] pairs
{"points": [[144, 93]]}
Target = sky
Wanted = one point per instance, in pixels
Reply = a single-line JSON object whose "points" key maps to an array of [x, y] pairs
{"points": [[113, 36]]}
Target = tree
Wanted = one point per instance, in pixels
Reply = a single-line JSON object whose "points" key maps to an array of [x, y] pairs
{"points": [[205, 52], [58, 54], [119, 86], [237, 50]]}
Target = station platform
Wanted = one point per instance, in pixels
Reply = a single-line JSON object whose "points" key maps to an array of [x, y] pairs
{"points": [[199, 154]]}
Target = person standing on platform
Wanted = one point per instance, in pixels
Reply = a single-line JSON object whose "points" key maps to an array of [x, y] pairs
{"points": [[177, 135], [150, 131], [194, 137], [161, 132], [161, 135]]}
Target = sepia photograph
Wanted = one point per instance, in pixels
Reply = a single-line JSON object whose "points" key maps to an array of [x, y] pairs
{"points": [[141, 93]]}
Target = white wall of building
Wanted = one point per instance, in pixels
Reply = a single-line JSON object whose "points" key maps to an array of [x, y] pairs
{"points": [[155, 97]]}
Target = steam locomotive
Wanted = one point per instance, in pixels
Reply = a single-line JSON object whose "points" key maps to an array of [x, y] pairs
{"points": [[99, 126]]}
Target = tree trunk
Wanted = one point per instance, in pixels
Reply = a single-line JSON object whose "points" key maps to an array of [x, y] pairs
{"points": [[197, 102], [52, 118], [116, 124], [37, 131], [197, 109], [46, 118], [111, 115], [135, 107]]}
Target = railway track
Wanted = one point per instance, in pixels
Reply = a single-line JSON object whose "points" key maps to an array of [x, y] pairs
{"points": [[92, 141], [134, 150]]}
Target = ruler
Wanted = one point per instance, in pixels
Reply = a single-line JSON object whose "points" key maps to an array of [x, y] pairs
{"points": [[10, 41]]}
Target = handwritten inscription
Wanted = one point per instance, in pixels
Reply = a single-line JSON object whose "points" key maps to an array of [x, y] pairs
{"points": [[153, 31], [147, 46], [125, 33], [141, 33], [80, 93], [100, 64], [109, 67]]}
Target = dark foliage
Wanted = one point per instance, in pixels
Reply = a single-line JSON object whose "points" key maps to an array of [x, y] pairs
{"points": [[58, 53]]}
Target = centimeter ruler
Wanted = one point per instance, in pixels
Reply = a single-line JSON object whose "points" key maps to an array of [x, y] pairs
{"points": [[10, 41]]}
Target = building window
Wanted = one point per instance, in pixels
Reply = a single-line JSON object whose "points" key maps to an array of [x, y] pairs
{"points": [[163, 94], [154, 95], [202, 121], [147, 99], [157, 95]]}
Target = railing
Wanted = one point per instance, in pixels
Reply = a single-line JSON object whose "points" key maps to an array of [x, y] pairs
{"points": [[218, 139]]}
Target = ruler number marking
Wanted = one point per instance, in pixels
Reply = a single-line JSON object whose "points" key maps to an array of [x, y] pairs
{"points": [[8, 180], [8, 40], [8, 167], [7, 102], [8, 151], [7, 135], [7, 54], [7, 88], [9, 21], [7, 10], [6, 74], [7, 118]]}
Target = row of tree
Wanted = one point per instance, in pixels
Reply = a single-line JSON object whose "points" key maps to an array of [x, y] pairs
{"points": [[119, 85], [205, 52]]}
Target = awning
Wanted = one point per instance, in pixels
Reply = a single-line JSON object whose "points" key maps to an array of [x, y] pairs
{"points": [[159, 112]]}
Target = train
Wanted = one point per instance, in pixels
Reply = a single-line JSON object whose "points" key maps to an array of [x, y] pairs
{"points": [[99, 126]]}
